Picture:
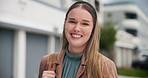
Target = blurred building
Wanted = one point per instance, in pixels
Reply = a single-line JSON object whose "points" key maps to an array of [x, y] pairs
{"points": [[132, 36], [29, 29]]}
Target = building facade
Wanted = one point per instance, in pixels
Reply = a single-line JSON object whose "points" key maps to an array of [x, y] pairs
{"points": [[133, 23], [29, 30]]}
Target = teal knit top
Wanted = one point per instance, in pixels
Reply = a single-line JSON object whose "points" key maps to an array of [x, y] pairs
{"points": [[70, 65]]}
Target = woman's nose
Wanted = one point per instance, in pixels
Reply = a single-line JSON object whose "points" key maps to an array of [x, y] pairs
{"points": [[77, 28]]}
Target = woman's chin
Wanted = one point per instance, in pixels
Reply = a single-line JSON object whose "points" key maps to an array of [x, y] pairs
{"points": [[77, 45]]}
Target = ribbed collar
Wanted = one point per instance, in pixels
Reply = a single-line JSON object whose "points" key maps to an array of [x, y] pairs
{"points": [[73, 56], [63, 53]]}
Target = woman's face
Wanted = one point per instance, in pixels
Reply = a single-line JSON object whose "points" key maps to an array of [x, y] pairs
{"points": [[78, 27]]}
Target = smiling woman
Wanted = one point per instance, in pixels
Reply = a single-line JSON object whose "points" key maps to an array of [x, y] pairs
{"points": [[79, 57], [78, 28]]}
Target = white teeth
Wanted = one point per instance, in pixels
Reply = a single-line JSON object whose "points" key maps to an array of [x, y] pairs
{"points": [[76, 35]]}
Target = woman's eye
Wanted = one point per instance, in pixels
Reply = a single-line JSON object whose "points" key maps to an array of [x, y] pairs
{"points": [[86, 24], [71, 21]]}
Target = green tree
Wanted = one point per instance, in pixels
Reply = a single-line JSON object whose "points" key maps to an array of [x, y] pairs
{"points": [[108, 33]]}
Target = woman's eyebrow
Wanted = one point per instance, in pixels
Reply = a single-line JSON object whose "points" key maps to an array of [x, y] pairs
{"points": [[75, 19], [71, 19], [86, 20]]}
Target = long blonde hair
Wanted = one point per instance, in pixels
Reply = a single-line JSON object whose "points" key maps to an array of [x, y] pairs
{"points": [[93, 62]]}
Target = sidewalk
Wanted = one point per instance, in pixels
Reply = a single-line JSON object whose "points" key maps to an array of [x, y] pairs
{"points": [[120, 76]]}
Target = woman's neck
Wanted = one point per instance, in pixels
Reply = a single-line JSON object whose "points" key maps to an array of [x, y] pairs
{"points": [[76, 50]]}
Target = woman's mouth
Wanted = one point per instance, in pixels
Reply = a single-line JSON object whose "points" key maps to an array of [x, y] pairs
{"points": [[76, 36]]}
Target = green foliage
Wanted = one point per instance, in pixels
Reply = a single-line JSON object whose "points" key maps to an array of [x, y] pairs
{"points": [[107, 38], [133, 72]]}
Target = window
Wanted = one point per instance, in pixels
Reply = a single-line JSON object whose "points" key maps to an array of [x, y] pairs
{"points": [[132, 31], [131, 15]]}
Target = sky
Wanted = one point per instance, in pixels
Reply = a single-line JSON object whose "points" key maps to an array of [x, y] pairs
{"points": [[143, 4]]}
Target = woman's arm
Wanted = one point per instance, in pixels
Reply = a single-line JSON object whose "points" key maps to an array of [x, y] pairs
{"points": [[42, 66], [47, 68]]}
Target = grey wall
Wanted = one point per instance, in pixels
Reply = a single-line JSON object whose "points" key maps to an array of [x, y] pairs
{"points": [[36, 49], [57, 44], [6, 53]]}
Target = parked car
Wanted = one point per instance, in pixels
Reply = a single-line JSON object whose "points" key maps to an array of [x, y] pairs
{"points": [[142, 62]]}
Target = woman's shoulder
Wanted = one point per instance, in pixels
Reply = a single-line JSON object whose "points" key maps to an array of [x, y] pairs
{"points": [[108, 67], [105, 59], [49, 56], [46, 57]]}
